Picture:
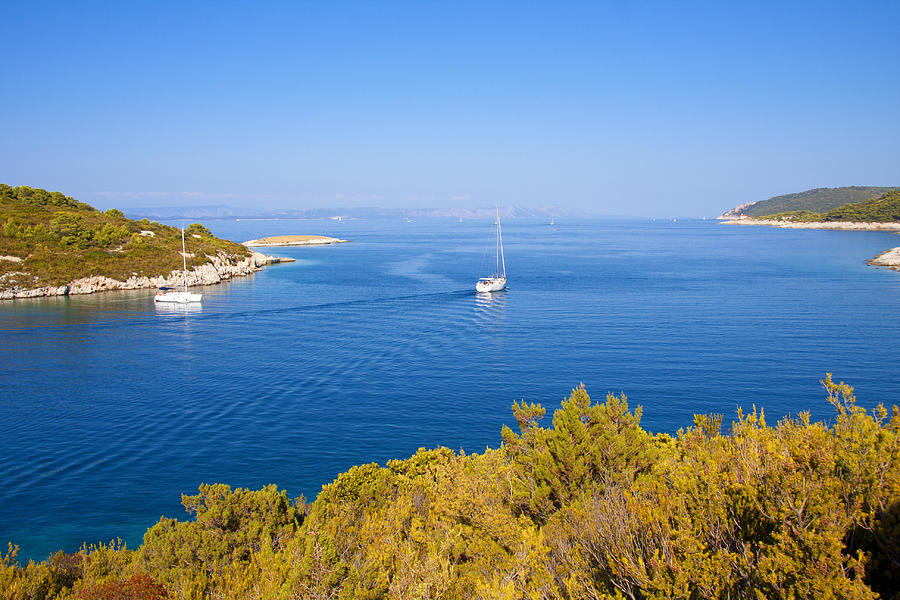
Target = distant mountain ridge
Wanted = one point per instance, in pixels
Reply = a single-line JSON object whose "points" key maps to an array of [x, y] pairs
{"points": [[346, 212], [818, 200]]}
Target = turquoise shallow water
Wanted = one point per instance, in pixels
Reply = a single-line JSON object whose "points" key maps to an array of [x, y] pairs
{"points": [[111, 407]]}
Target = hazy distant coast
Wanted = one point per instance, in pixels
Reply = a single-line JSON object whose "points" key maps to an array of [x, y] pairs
{"points": [[294, 240]]}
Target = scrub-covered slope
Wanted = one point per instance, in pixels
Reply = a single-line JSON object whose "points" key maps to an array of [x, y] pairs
{"points": [[49, 239]]}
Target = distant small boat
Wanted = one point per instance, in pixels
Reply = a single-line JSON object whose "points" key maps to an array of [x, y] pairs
{"points": [[167, 294], [498, 281], [551, 220]]}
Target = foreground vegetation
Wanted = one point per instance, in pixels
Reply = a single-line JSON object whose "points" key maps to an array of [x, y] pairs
{"points": [[592, 507], [58, 240], [884, 209]]}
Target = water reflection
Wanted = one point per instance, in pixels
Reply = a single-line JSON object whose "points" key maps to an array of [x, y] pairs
{"points": [[490, 306], [176, 308], [103, 307]]}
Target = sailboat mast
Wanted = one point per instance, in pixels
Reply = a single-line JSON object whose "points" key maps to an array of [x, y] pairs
{"points": [[497, 253], [500, 242], [184, 259]]}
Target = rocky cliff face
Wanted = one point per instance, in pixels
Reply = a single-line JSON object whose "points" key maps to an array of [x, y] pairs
{"points": [[737, 211], [222, 267]]}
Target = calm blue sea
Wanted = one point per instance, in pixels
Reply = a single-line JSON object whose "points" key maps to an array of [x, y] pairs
{"points": [[111, 407]]}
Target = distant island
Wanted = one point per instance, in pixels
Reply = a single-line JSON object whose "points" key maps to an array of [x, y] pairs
{"points": [[295, 240], [54, 245]]}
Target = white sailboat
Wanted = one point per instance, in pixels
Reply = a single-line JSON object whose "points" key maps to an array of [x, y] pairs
{"points": [[498, 281], [166, 294]]}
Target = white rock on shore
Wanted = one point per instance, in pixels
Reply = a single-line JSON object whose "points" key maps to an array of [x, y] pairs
{"points": [[889, 259], [221, 267], [840, 225]]}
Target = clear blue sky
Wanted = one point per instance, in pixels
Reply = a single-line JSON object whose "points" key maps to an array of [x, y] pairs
{"points": [[632, 108]]}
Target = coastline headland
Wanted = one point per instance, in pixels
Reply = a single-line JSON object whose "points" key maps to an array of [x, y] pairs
{"points": [[294, 240], [221, 267], [839, 225], [889, 258]]}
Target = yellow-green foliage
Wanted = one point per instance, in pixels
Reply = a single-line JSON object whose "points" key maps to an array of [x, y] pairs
{"points": [[593, 507], [799, 216], [884, 208], [60, 239]]}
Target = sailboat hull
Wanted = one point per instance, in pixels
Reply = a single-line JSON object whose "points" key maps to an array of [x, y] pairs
{"points": [[491, 284], [177, 297]]}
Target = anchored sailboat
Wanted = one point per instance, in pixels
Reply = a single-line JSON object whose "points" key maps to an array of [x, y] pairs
{"points": [[167, 294], [498, 281]]}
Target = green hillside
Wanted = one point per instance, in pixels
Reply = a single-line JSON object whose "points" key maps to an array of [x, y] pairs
{"points": [[585, 507], [875, 210], [884, 209], [819, 200], [59, 239]]}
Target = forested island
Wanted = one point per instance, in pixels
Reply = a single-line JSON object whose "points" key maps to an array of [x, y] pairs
{"points": [[883, 210], [818, 200], [592, 506], [52, 244]]}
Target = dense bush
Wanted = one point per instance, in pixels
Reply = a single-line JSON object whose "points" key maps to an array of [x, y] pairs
{"points": [[136, 587], [885, 208], [198, 229]]}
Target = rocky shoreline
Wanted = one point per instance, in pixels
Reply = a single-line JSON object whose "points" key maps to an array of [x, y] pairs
{"points": [[295, 240], [838, 225], [222, 267], [889, 259]]}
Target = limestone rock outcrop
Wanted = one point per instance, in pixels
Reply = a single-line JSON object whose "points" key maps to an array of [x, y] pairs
{"points": [[221, 267], [889, 259]]}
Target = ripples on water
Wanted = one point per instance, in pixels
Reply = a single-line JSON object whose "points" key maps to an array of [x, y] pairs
{"points": [[111, 407]]}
